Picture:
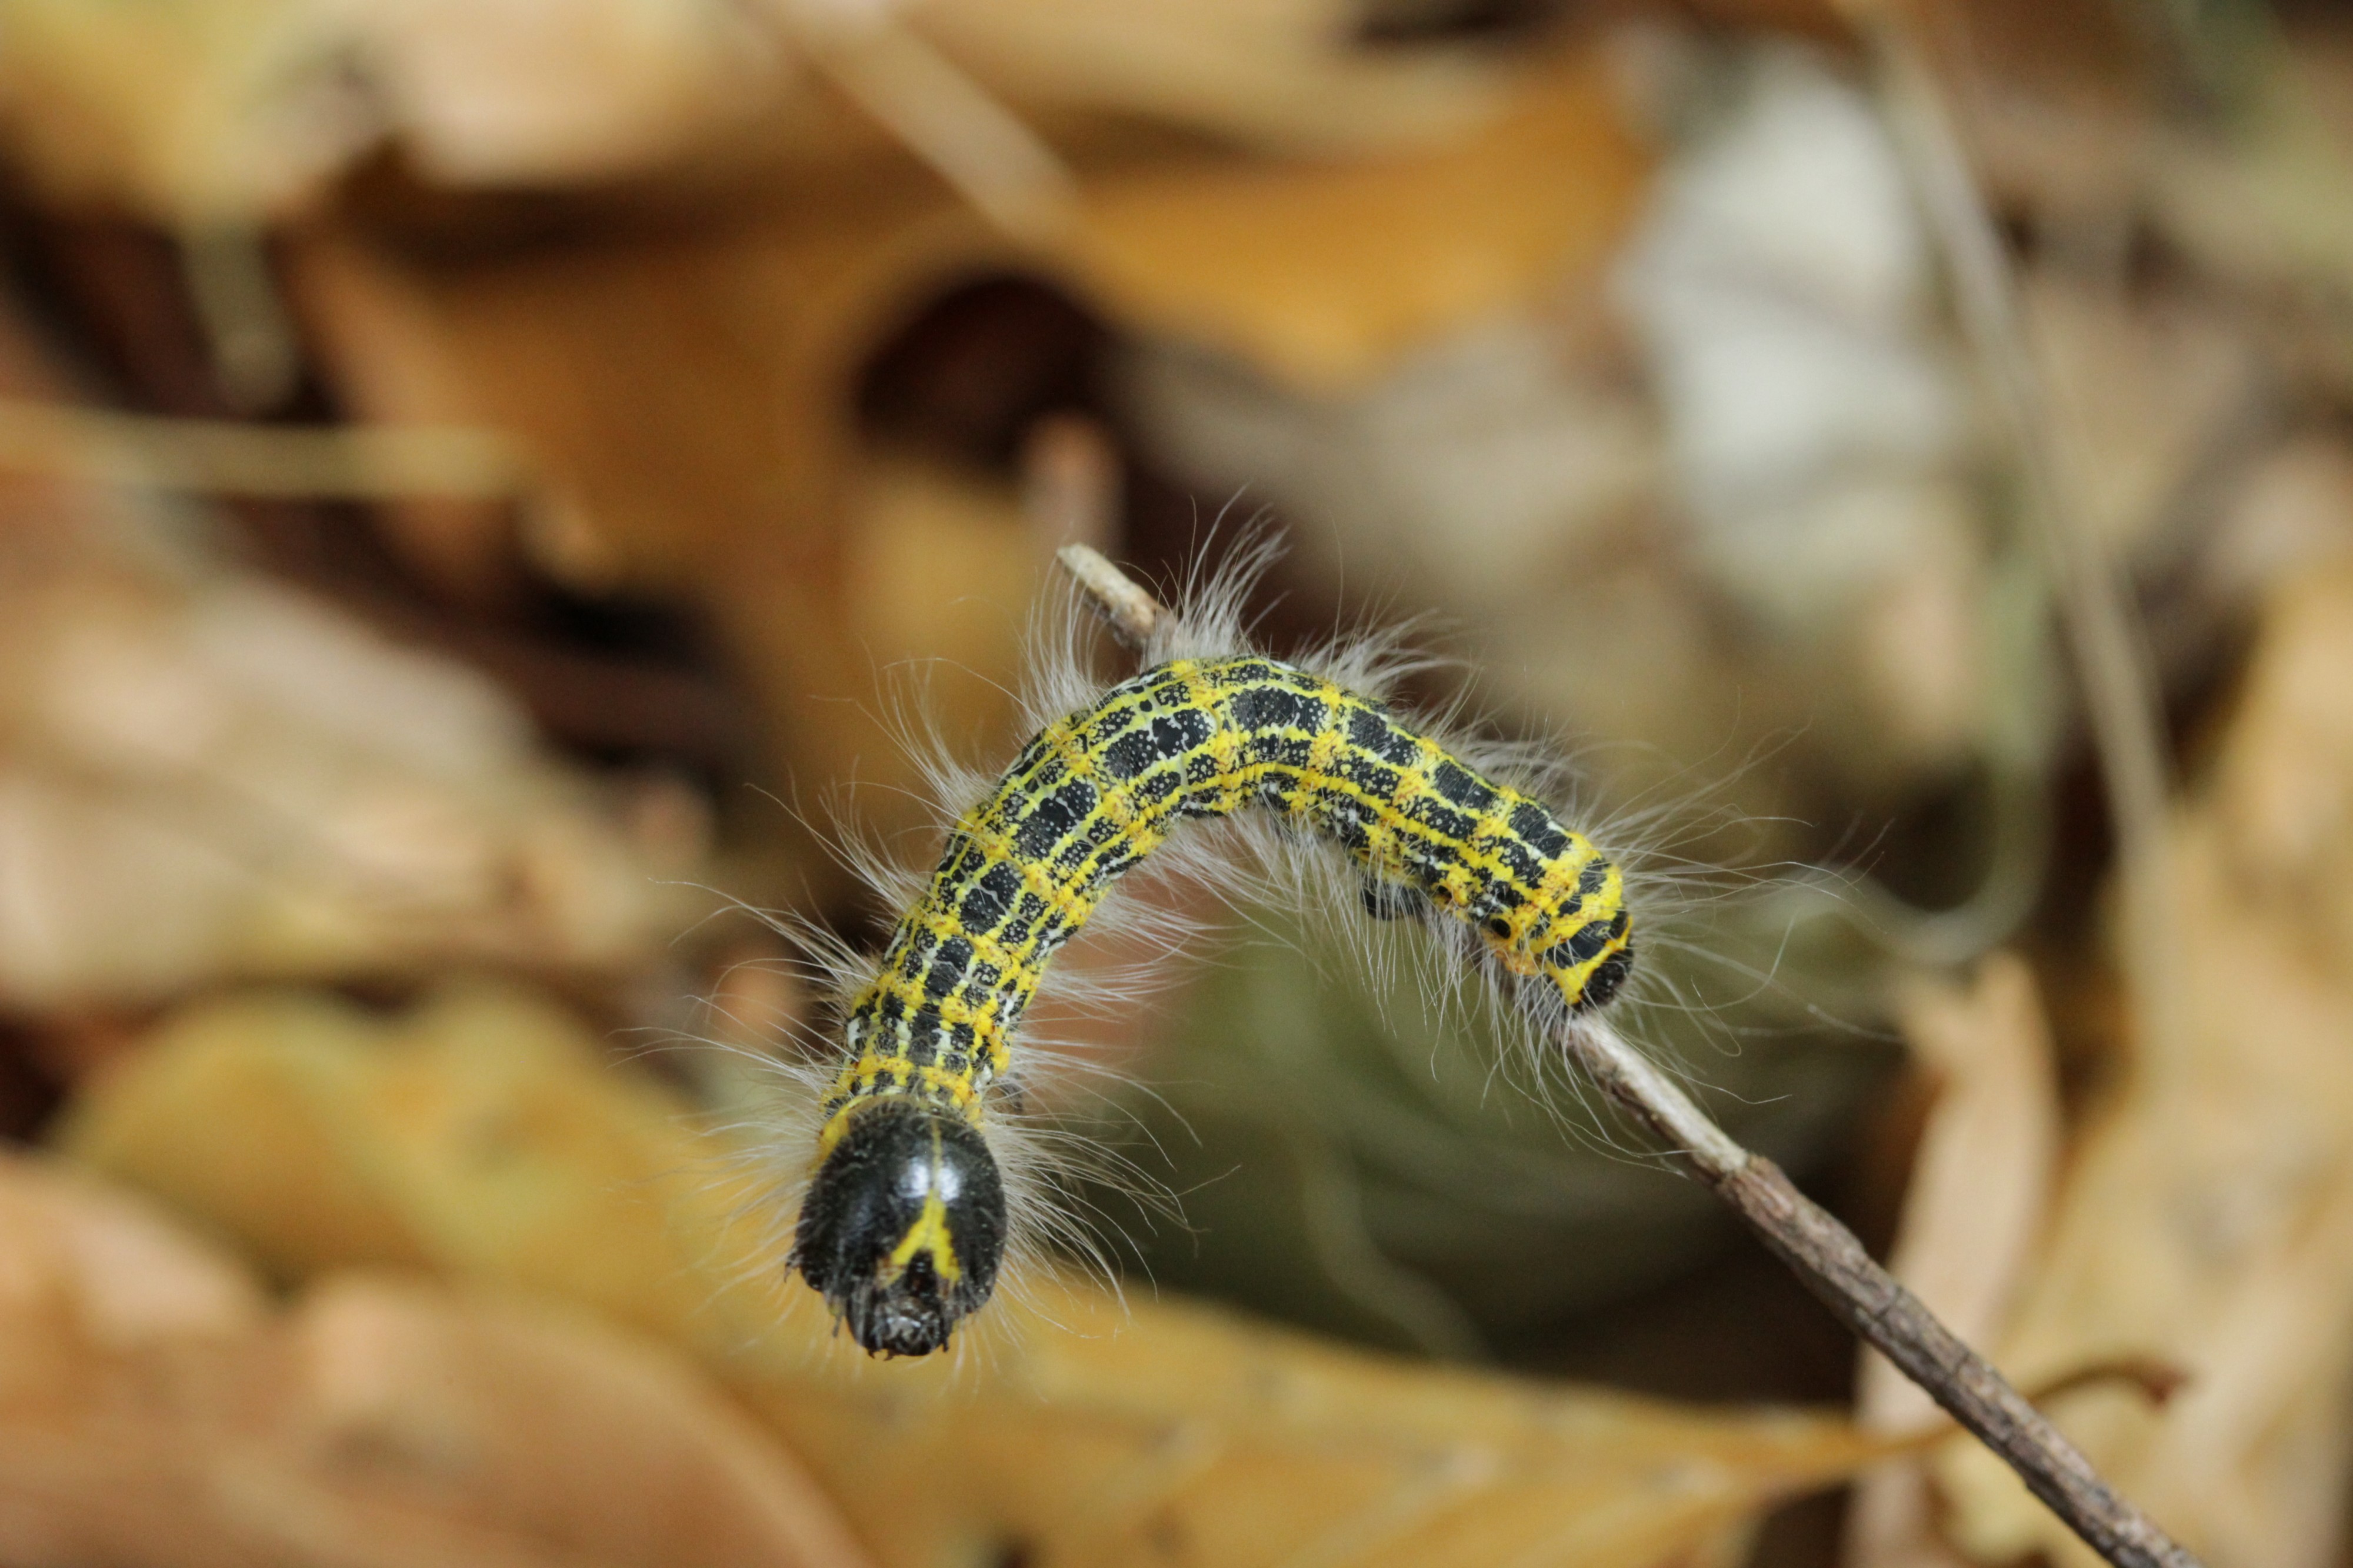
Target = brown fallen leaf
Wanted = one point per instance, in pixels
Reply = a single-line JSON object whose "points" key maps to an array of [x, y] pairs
{"points": [[1078, 1430], [1282, 74], [189, 789], [1973, 1212], [2207, 1214], [238, 110], [688, 396], [1268, 261], [155, 1413], [736, 486]]}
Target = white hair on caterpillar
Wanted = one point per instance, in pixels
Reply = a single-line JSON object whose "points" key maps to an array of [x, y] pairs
{"points": [[1039, 1114]]}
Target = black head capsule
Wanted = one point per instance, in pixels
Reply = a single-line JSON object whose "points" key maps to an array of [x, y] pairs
{"points": [[1608, 976], [903, 1226]]}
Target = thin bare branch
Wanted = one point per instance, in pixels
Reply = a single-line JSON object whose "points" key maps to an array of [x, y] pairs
{"points": [[1821, 1252], [1132, 613]]}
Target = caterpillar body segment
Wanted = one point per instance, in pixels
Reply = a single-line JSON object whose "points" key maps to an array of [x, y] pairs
{"points": [[904, 1224]]}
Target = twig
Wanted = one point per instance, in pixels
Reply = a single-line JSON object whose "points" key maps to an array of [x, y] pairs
{"points": [[221, 456], [1070, 480], [1822, 1253], [987, 152], [256, 354], [1132, 613], [2120, 693]]}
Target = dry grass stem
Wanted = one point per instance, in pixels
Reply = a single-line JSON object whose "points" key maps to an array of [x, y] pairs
{"points": [[221, 456], [991, 157], [2120, 692], [1132, 614]]}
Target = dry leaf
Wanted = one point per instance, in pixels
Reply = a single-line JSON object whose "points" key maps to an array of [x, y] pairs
{"points": [[1973, 1212], [233, 111], [688, 400], [155, 1414], [203, 774], [546, 1422], [1281, 73], [1269, 261], [2207, 1216], [82, 1254], [1078, 1432]]}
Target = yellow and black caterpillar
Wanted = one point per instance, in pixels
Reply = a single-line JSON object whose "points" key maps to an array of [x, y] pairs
{"points": [[904, 1224]]}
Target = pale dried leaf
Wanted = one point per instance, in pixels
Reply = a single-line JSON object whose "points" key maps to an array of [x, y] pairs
{"points": [[1281, 73], [1268, 261], [155, 1414], [2207, 1216], [203, 773], [1973, 1212], [1078, 1431]]}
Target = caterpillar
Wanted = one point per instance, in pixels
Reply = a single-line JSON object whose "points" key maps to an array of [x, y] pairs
{"points": [[903, 1226]]}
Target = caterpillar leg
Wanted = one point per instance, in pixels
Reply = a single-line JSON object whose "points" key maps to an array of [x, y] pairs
{"points": [[903, 1226], [1392, 901]]}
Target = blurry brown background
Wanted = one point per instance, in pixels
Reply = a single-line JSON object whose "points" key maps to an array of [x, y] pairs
{"points": [[485, 487]]}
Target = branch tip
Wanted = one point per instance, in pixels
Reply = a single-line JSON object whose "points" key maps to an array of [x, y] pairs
{"points": [[1125, 605], [1822, 1253]]}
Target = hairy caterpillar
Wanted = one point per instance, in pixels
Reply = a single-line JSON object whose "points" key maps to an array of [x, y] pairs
{"points": [[904, 1224]]}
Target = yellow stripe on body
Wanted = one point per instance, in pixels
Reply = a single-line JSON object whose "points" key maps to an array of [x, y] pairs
{"points": [[1246, 728]]}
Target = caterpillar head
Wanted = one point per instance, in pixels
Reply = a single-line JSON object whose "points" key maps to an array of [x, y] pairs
{"points": [[903, 1226]]}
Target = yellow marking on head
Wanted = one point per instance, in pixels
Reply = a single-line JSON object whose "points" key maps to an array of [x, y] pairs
{"points": [[928, 1234]]}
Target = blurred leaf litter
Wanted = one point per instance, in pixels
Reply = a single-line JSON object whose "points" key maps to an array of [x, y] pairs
{"points": [[2205, 1217], [158, 1411], [204, 774], [1591, 501], [226, 112], [483, 1136]]}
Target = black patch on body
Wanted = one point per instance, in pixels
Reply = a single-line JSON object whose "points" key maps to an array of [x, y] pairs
{"points": [[1608, 976], [1263, 708], [1463, 788], [1050, 821], [1453, 824], [990, 900], [1369, 731], [1535, 824]]}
